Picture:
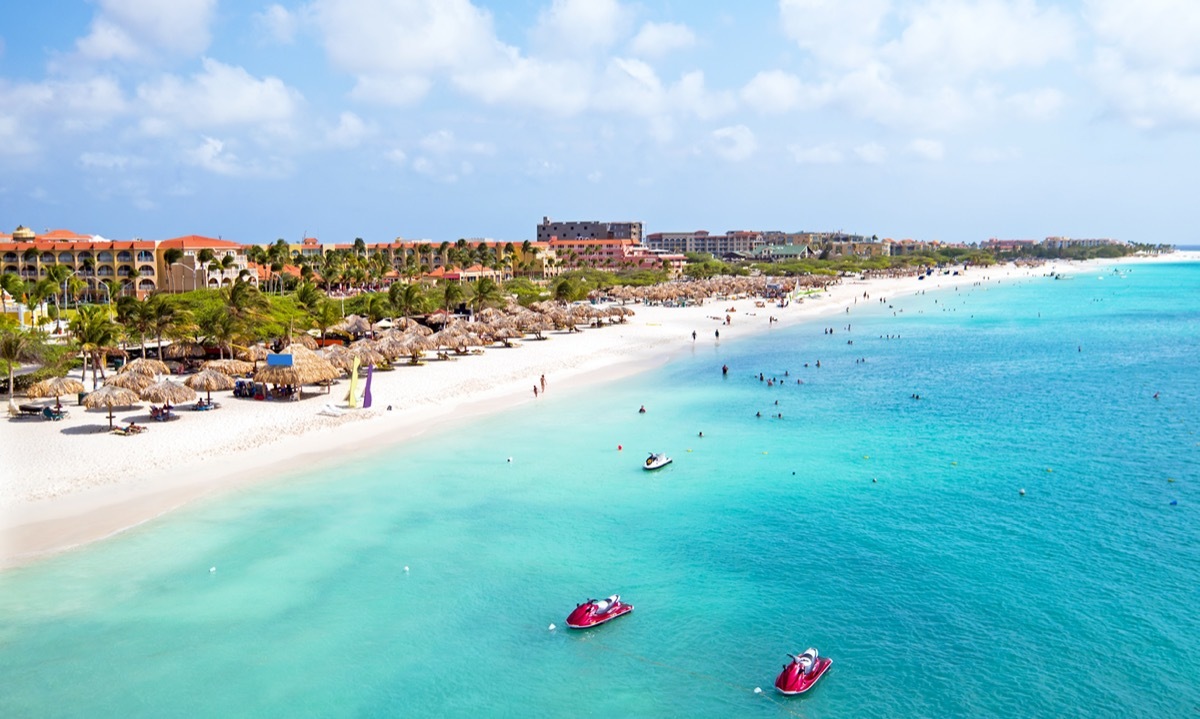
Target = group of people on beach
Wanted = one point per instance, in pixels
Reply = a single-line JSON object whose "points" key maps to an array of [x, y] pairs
{"points": [[542, 382]]}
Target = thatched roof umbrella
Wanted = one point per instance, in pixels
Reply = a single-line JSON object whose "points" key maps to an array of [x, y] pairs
{"points": [[415, 346], [354, 325], [55, 387], [253, 353], [145, 365], [229, 366], [208, 380], [506, 335], [135, 381], [307, 368], [184, 350], [111, 396], [168, 392], [303, 340], [339, 356], [367, 352]]}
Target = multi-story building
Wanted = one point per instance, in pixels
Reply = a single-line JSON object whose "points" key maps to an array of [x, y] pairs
{"points": [[615, 255], [589, 230], [734, 242], [130, 264], [1062, 243], [205, 262]]}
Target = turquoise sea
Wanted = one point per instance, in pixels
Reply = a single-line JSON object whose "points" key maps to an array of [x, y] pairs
{"points": [[888, 531]]}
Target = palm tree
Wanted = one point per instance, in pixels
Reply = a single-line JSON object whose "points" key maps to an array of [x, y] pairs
{"points": [[308, 296], [244, 301], [36, 293], [59, 274], [31, 255], [162, 316], [13, 285], [407, 299], [487, 294], [96, 335], [133, 314], [17, 346], [113, 288], [360, 247], [325, 316], [452, 294], [219, 327], [171, 255]]}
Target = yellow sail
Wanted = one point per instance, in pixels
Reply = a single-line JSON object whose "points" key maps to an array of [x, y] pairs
{"points": [[354, 385]]}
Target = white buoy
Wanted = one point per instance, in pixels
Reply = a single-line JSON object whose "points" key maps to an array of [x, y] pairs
{"points": [[758, 690], [406, 569], [211, 570], [1022, 492], [552, 627]]}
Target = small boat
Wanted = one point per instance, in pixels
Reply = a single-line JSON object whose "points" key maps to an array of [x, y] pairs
{"points": [[804, 671], [656, 460], [595, 612]]}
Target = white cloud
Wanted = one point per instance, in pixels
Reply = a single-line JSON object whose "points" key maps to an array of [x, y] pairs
{"points": [[397, 156], [108, 161], [772, 91], [278, 22], [443, 142], [820, 155], [14, 139], [871, 153], [395, 47], [134, 29], [569, 27], [1147, 61], [956, 38], [561, 88], [219, 96], [212, 156], [836, 32], [930, 150], [351, 131], [657, 39], [735, 143], [691, 95], [1042, 104]]}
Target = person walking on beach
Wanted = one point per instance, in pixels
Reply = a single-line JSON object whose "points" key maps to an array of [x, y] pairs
{"points": [[693, 335], [535, 391], [717, 333], [543, 383]]}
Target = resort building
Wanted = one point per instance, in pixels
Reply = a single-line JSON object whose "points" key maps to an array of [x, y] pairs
{"points": [[615, 255], [589, 230], [1062, 243], [733, 243], [101, 266], [195, 261]]}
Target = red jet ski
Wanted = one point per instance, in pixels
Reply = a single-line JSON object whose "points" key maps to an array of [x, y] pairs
{"points": [[804, 671], [594, 612]]}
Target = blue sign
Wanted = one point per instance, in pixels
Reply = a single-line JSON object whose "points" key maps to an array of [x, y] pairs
{"points": [[280, 360]]}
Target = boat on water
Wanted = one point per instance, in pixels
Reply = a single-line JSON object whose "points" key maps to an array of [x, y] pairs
{"points": [[595, 612], [656, 460], [802, 673]]}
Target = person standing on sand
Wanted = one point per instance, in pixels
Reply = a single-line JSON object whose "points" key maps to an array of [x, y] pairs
{"points": [[693, 335], [535, 391], [543, 383], [717, 333]]}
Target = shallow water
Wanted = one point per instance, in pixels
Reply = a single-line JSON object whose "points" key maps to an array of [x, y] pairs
{"points": [[887, 531]]}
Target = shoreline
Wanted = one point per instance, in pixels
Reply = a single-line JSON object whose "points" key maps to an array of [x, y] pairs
{"points": [[80, 485]]}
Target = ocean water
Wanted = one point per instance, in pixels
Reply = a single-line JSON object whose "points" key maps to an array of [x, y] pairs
{"points": [[889, 532]]}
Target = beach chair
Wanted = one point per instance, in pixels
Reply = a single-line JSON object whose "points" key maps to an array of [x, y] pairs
{"points": [[53, 414]]}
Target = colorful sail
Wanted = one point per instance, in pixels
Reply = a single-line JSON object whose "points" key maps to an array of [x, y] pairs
{"points": [[353, 399]]}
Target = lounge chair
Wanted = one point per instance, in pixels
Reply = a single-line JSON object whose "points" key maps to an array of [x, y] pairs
{"points": [[53, 414]]}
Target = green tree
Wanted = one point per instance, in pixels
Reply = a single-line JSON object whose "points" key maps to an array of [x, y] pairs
{"points": [[407, 299], [452, 294], [171, 255], [96, 335], [17, 346], [487, 294], [11, 285], [162, 317]]}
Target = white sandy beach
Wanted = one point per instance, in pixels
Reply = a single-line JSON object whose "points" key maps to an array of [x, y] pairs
{"points": [[71, 482]]}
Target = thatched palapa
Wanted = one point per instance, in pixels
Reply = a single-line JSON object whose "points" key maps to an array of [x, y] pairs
{"points": [[110, 396]]}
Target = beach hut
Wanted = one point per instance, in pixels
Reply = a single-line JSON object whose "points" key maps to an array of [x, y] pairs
{"points": [[304, 367], [229, 366]]}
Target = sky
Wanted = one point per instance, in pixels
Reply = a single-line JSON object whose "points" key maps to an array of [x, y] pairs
{"points": [[950, 120]]}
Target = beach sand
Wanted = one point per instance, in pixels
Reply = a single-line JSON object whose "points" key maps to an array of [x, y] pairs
{"points": [[71, 482]]}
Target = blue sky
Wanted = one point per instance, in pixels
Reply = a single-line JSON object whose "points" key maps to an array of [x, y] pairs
{"points": [[952, 120]]}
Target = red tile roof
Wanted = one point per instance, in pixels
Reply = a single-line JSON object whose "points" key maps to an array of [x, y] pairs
{"points": [[197, 242]]}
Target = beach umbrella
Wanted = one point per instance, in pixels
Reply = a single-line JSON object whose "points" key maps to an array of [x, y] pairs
{"points": [[184, 350], [111, 396], [55, 387], [135, 381], [254, 353], [303, 340], [367, 352], [354, 325], [145, 365], [339, 356], [209, 380], [229, 366], [168, 392]]}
